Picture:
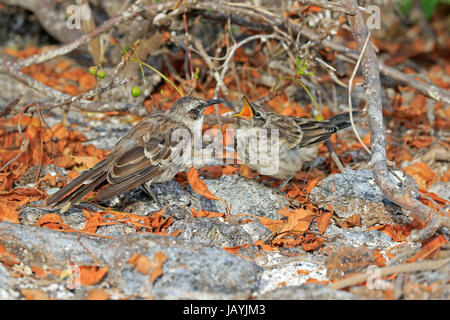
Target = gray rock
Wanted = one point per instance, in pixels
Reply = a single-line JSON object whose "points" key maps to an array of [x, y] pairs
{"points": [[355, 192], [190, 272], [307, 292], [358, 237], [6, 284], [211, 232], [29, 177], [246, 196]]}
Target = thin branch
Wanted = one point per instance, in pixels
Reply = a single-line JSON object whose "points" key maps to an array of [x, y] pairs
{"points": [[333, 6], [350, 86], [380, 171], [124, 16], [186, 35], [10, 106], [334, 156], [387, 271], [225, 65], [86, 95], [25, 142], [271, 21], [231, 52]]}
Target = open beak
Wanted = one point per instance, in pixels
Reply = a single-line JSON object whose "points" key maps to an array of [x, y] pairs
{"points": [[246, 111]]}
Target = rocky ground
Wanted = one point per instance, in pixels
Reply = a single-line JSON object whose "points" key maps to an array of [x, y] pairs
{"points": [[219, 255], [197, 265]]}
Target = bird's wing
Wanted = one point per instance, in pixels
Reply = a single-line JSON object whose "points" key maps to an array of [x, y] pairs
{"points": [[289, 129], [79, 186], [146, 152], [317, 131]]}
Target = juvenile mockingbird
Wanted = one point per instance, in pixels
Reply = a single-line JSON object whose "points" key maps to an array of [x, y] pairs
{"points": [[147, 153], [296, 139]]}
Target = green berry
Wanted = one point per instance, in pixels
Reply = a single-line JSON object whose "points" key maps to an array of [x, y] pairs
{"points": [[93, 70], [101, 74], [135, 91]]}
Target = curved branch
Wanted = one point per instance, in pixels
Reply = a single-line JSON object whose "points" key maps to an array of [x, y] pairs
{"points": [[371, 75]]}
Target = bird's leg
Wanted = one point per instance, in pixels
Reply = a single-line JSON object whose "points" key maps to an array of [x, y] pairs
{"points": [[124, 201], [285, 182], [150, 192]]}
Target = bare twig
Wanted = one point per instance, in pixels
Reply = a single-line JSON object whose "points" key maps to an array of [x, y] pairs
{"points": [[86, 95], [350, 86], [10, 106], [387, 271], [124, 16], [328, 5], [88, 25], [231, 52], [271, 21], [334, 156], [380, 171], [225, 65], [186, 34], [25, 142]]}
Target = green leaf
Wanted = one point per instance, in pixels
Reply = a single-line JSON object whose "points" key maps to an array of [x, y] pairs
{"points": [[405, 7], [301, 66], [428, 7]]}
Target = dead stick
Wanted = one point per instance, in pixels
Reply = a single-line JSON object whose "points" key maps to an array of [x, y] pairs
{"points": [[369, 64], [387, 271]]}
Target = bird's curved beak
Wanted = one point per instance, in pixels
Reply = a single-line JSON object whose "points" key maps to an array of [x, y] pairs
{"points": [[211, 102], [214, 101], [246, 112]]}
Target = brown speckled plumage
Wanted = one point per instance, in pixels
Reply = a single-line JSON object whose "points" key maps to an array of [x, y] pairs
{"points": [[145, 154], [298, 138]]}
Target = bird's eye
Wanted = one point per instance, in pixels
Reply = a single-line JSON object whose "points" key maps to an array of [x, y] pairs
{"points": [[257, 114], [194, 113]]}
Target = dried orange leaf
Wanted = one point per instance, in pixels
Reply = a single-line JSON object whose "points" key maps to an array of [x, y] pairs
{"points": [[379, 259], [159, 258], [7, 258], [41, 273], [8, 213], [429, 248], [311, 242], [53, 221], [142, 263], [300, 271], [271, 224], [199, 185], [34, 294], [229, 170], [93, 222], [397, 233], [421, 173], [314, 280], [97, 294], [298, 219], [89, 275], [323, 221], [247, 172], [203, 213], [312, 184], [235, 250], [353, 221]]}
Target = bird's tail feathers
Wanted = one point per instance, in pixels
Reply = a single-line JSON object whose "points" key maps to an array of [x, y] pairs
{"points": [[317, 131], [79, 187]]}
